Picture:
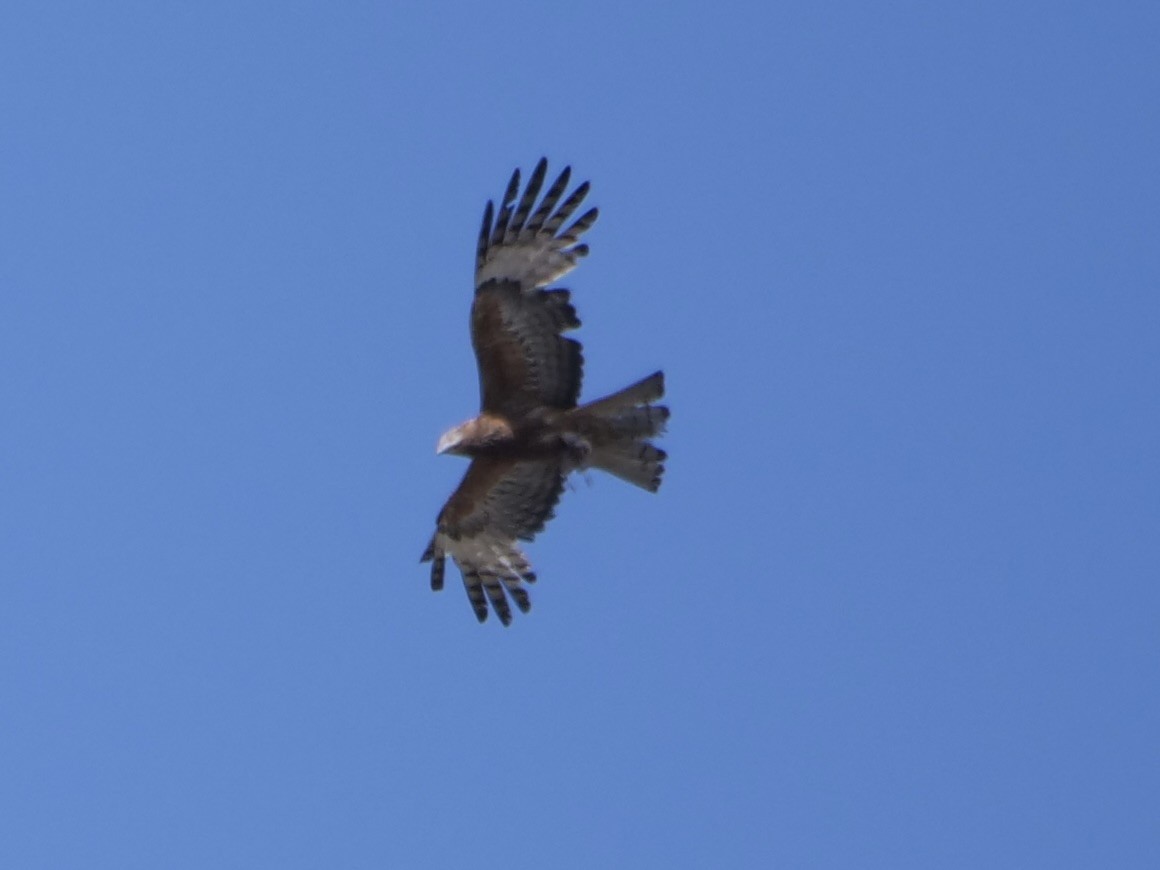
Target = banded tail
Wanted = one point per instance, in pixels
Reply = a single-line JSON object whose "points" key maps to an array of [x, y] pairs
{"points": [[617, 428]]}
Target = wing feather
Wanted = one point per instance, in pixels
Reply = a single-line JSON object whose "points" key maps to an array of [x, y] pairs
{"points": [[505, 209], [532, 254], [549, 202], [565, 211], [517, 326], [484, 235], [528, 199], [525, 361], [498, 503]]}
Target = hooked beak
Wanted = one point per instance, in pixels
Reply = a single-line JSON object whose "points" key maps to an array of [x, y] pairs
{"points": [[447, 441]]}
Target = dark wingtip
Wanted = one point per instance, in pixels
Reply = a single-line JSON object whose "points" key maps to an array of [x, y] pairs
{"points": [[438, 567], [523, 602], [484, 234], [513, 186]]}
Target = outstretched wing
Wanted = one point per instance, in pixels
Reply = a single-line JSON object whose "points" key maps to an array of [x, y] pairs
{"points": [[517, 326], [498, 503]]}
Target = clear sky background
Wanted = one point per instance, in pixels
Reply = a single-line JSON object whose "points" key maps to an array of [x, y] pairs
{"points": [[896, 604]]}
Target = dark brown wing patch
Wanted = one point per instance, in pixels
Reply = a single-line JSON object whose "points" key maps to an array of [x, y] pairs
{"points": [[497, 503], [517, 326], [525, 362]]}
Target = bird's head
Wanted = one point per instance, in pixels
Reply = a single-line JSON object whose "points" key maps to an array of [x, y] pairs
{"points": [[474, 435]]}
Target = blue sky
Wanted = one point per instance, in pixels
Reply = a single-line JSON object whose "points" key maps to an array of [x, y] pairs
{"points": [[896, 603]]}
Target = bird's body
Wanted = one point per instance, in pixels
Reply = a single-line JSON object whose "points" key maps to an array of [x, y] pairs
{"points": [[531, 433]]}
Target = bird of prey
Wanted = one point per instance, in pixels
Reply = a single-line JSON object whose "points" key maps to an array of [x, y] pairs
{"points": [[530, 433]]}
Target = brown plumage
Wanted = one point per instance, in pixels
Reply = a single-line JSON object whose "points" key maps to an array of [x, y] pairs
{"points": [[530, 433]]}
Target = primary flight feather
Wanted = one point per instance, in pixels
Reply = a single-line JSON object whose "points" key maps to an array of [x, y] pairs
{"points": [[530, 433]]}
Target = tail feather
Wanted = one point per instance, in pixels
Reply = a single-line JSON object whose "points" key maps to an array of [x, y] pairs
{"points": [[641, 393], [636, 462], [616, 428], [646, 421]]}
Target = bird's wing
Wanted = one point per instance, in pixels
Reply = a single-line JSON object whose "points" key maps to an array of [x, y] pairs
{"points": [[498, 503], [517, 325]]}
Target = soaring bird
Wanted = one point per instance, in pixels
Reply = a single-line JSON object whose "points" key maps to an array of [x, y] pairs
{"points": [[530, 433]]}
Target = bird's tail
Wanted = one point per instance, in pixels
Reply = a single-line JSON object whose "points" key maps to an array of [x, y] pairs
{"points": [[638, 462], [617, 429]]}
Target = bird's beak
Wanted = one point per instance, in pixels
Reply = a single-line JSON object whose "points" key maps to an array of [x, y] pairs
{"points": [[446, 441]]}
